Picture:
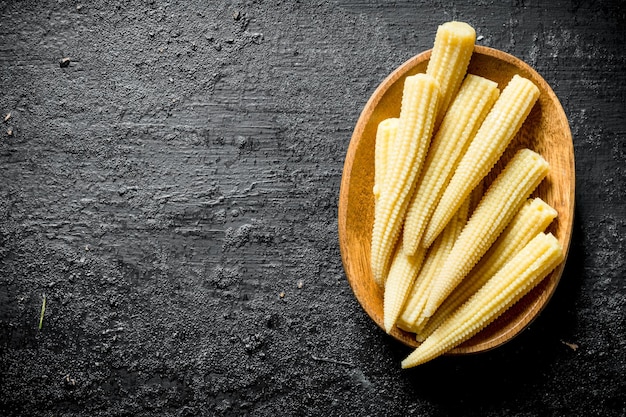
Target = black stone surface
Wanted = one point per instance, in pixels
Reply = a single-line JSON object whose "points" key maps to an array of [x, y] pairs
{"points": [[172, 189]]}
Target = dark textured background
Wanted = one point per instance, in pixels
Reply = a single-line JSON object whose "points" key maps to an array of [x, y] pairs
{"points": [[173, 194]]}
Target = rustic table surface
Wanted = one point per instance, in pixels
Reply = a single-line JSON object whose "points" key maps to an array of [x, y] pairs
{"points": [[169, 175]]}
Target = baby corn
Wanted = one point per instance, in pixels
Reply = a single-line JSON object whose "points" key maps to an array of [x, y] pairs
{"points": [[385, 134], [518, 276], [417, 296], [533, 218], [493, 136], [501, 202], [468, 110], [402, 273], [412, 317], [451, 54], [417, 113]]}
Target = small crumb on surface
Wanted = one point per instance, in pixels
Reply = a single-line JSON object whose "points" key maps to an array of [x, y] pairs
{"points": [[480, 37], [64, 62], [572, 346], [43, 311], [69, 381], [7, 117], [300, 283], [282, 294]]}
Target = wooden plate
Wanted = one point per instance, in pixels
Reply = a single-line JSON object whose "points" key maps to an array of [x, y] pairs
{"points": [[546, 131]]}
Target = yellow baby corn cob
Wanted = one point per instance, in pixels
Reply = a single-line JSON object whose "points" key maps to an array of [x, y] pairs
{"points": [[533, 218], [468, 110], [518, 276], [431, 265], [473, 200], [417, 113], [501, 202], [385, 134], [475, 197], [402, 273], [499, 127], [451, 54], [437, 253]]}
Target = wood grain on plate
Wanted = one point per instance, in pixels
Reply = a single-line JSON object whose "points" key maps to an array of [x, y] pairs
{"points": [[546, 131]]}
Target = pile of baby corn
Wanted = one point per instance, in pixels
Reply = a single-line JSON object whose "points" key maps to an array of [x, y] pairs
{"points": [[451, 256]]}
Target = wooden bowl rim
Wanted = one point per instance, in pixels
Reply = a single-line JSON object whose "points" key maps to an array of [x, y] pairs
{"points": [[539, 304]]}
